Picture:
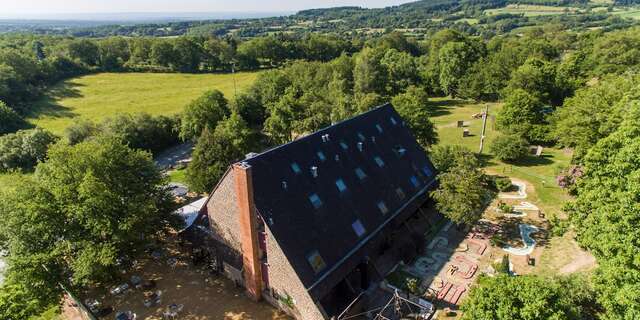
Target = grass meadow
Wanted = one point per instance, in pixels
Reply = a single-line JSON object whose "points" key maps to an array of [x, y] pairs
{"points": [[539, 171], [98, 96]]}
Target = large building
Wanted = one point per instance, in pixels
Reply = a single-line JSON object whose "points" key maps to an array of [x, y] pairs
{"points": [[307, 225]]}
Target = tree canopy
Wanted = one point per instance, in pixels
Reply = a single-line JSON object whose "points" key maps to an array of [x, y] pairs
{"points": [[205, 111], [528, 297], [218, 149], [89, 206]]}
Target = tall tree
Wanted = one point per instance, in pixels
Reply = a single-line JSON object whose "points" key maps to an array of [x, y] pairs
{"points": [[413, 106], [216, 150], [462, 192], [87, 206], [522, 115], [369, 74], [205, 111], [606, 214]]}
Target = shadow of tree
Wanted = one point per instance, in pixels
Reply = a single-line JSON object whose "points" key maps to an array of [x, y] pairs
{"points": [[443, 107], [49, 105], [531, 161]]}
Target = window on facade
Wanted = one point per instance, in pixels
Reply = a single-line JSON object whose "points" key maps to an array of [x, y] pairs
{"points": [[315, 201], [400, 193], [361, 136], [321, 156], [341, 186], [358, 228], [393, 121], [361, 175], [414, 181], [295, 167], [344, 145], [316, 261], [379, 162], [427, 171], [379, 128], [383, 207]]}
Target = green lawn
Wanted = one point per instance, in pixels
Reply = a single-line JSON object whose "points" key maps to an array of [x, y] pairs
{"points": [[178, 176], [98, 96], [540, 172], [633, 13]]}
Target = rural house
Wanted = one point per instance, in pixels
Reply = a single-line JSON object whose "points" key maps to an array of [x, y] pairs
{"points": [[307, 225]]}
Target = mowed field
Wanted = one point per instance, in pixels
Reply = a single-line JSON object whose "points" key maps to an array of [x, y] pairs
{"points": [[96, 97]]}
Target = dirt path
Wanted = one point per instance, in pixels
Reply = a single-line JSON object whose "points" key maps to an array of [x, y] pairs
{"points": [[582, 260]]}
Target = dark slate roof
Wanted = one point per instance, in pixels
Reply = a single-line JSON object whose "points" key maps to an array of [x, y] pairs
{"points": [[299, 227]]}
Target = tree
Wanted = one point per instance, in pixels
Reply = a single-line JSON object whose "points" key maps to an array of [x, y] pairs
{"points": [[520, 113], [216, 150], [162, 53], [455, 59], [538, 78], [114, 53], [369, 74], [509, 147], [187, 55], [143, 131], [402, 71], [462, 193], [24, 149], [10, 121], [593, 113], [205, 111], [84, 50], [606, 215], [88, 206], [413, 107], [446, 157], [504, 297]]}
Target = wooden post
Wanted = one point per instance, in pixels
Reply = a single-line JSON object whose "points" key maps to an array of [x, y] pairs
{"points": [[484, 128]]}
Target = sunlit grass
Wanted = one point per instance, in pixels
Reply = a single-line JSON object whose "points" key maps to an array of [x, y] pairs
{"points": [[539, 171], [96, 97]]}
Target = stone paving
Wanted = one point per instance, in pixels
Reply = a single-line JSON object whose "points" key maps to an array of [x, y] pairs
{"points": [[452, 261]]}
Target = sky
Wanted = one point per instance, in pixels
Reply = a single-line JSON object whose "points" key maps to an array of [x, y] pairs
{"points": [[19, 8]]}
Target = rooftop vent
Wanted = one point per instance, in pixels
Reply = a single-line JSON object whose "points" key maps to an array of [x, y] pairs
{"points": [[314, 171], [250, 155], [360, 146]]}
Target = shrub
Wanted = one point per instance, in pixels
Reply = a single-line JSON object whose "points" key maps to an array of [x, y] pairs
{"points": [[503, 184], [509, 147], [503, 265], [412, 285], [505, 208], [10, 121], [22, 150]]}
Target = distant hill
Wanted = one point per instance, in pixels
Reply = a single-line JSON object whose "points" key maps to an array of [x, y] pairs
{"points": [[471, 16]]}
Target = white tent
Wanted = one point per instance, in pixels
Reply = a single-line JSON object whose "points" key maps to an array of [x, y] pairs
{"points": [[190, 212]]}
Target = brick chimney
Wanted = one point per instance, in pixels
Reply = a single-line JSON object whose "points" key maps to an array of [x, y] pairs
{"points": [[252, 271]]}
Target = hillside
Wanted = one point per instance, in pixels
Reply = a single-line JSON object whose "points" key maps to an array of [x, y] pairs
{"points": [[416, 18]]}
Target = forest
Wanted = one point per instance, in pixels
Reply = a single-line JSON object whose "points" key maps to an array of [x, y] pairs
{"points": [[559, 86]]}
